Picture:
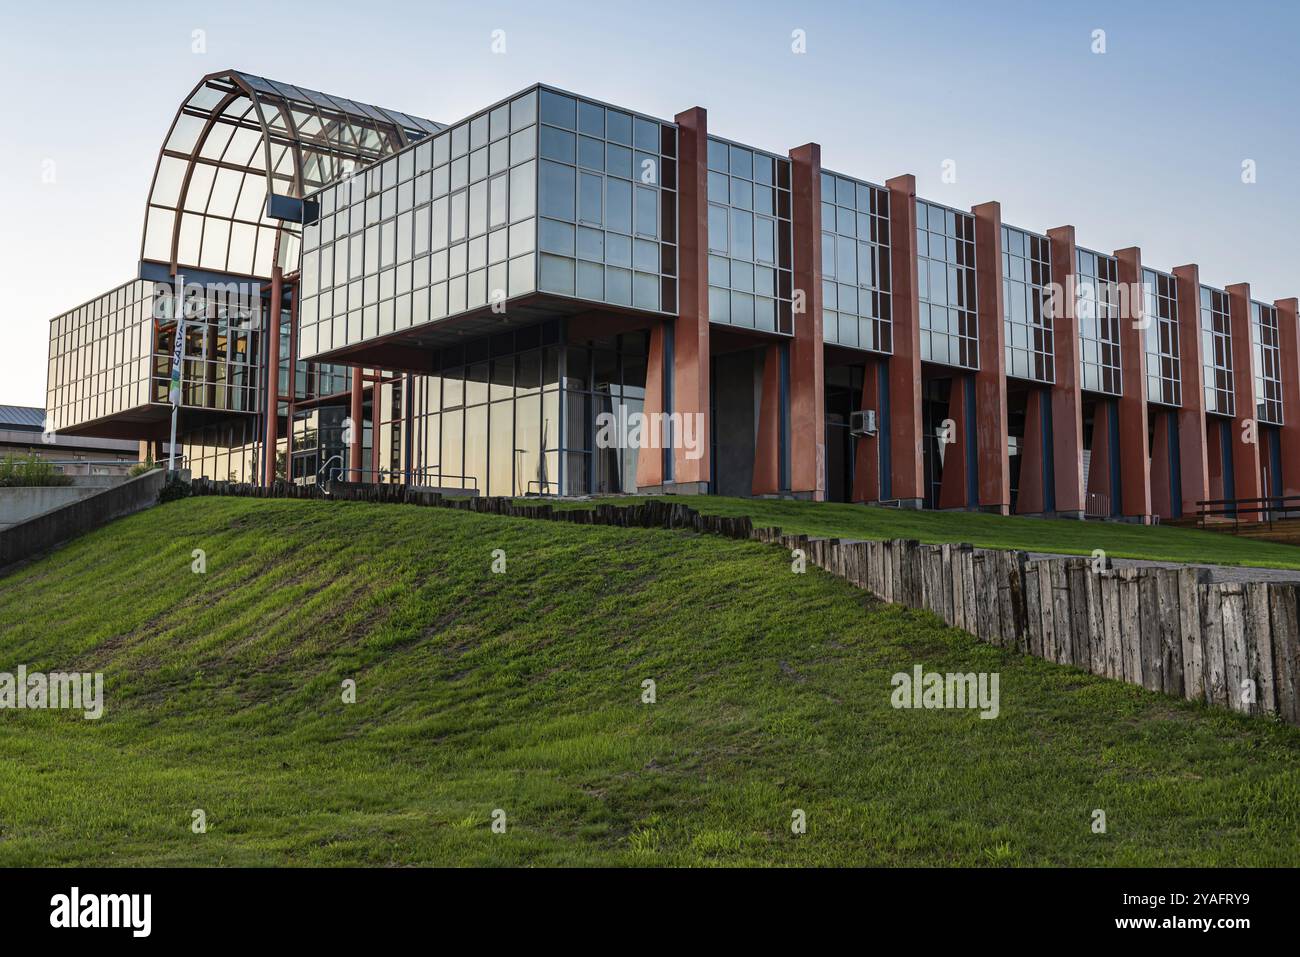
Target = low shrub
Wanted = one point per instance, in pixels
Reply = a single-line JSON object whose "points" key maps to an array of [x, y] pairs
{"points": [[24, 471], [175, 488], [148, 465]]}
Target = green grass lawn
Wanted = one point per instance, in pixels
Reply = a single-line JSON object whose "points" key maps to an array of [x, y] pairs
{"points": [[1119, 540], [522, 691]]}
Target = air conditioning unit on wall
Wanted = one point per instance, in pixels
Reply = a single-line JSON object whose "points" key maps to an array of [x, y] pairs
{"points": [[862, 422]]}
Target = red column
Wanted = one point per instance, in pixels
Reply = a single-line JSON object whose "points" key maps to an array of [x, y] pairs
{"points": [[650, 458], [1099, 469], [1245, 454], [691, 328], [357, 415], [956, 469], [994, 467], [1134, 450], [807, 375], [1161, 499], [272, 441], [1214, 457], [1067, 402], [866, 469], [907, 473], [1288, 327], [1030, 497], [1193, 462], [767, 443]]}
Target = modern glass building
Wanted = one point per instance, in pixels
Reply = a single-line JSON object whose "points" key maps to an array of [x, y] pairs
{"points": [[560, 296]]}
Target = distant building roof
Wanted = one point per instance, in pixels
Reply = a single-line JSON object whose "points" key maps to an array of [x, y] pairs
{"points": [[22, 418]]}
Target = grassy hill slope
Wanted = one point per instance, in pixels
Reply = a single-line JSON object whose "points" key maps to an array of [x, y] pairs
{"points": [[1118, 539], [522, 692]]}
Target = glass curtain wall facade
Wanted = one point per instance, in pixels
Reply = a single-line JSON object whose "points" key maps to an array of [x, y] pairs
{"points": [[608, 204], [229, 451], [856, 303], [114, 354], [751, 258], [431, 232], [521, 414], [1268, 363], [221, 351], [945, 243], [1026, 305], [1216, 352], [1164, 380], [1097, 307], [100, 357], [545, 192]]}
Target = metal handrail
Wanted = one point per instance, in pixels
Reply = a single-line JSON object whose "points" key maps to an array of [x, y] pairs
{"points": [[1265, 506], [332, 458], [420, 473]]}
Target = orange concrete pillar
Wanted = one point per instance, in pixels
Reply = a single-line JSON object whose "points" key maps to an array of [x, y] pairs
{"points": [[993, 463], [807, 375], [955, 483], [1193, 462], [1031, 498], [357, 416], [1162, 502], [691, 355], [1099, 471], [767, 443], [1134, 448], [906, 471], [1067, 402], [1217, 466], [650, 458], [1288, 327], [1245, 429]]}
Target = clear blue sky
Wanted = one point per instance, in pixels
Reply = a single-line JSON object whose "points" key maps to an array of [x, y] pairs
{"points": [[1142, 145]]}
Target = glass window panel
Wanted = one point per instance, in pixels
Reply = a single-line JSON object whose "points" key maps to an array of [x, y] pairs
{"points": [[523, 192], [558, 110], [558, 196]]}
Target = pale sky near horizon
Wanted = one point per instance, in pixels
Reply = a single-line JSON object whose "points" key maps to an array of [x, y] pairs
{"points": [[1141, 145]]}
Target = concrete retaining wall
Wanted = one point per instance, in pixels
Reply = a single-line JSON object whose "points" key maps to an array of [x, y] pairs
{"points": [[100, 506], [20, 504]]}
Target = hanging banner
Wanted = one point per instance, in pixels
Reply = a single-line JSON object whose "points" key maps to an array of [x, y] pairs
{"points": [[174, 394]]}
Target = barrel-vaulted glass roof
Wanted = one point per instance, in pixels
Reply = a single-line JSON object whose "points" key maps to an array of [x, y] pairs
{"points": [[238, 138]]}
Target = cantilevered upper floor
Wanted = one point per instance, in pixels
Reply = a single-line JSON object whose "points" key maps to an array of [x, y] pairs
{"points": [[542, 204]]}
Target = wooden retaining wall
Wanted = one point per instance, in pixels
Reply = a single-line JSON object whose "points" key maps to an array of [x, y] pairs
{"points": [[1230, 644]]}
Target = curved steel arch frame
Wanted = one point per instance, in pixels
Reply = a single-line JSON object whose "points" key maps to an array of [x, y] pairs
{"points": [[207, 204]]}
